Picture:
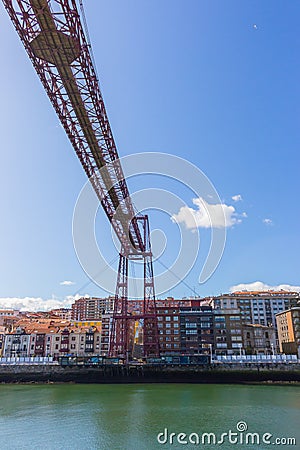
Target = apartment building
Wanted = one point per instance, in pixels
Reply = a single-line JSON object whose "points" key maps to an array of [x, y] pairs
{"points": [[258, 307], [228, 335], [288, 324], [91, 308], [79, 342], [196, 329], [259, 339], [105, 334], [54, 342], [16, 344], [62, 313], [9, 312], [2, 339], [168, 329]]}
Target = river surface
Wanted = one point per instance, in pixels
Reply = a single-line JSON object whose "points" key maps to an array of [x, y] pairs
{"points": [[130, 417]]}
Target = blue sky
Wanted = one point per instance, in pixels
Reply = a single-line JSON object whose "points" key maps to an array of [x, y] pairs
{"points": [[216, 83]]}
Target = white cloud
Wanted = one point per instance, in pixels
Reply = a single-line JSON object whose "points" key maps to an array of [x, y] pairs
{"points": [[207, 215], [237, 198], [268, 221], [67, 283], [37, 303], [244, 214], [260, 286]]}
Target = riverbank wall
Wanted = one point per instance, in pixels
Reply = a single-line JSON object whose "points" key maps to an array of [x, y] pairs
{"points": [[262, 373]]}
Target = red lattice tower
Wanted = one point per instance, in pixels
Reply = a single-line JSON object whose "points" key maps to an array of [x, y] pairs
{"points": [[53, 36]]}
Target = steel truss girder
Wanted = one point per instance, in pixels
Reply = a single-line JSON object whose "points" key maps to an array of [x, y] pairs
{"points": [[53, 36]]}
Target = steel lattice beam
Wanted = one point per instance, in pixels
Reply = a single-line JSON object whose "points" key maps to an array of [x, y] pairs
{"points": [[54, 39]]}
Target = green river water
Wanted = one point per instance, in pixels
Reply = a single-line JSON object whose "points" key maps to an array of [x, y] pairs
{"points": [[113, 417]]}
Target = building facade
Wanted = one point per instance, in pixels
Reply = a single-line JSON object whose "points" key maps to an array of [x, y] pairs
{"points": [[196, 329], [168, 329], [258, 307], [259, 339], [228, 336], [62, 313], [16, 344], [288, 324], [91, 308]]}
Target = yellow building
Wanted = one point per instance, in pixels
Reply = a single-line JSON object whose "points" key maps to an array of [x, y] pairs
{"points": [[288, 325], [87, 323]]}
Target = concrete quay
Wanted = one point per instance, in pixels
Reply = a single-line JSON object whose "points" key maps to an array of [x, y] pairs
{"points": [[214, 373]]}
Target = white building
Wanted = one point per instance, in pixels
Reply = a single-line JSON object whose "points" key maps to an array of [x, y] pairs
{"points": [[16, 344], [258, 307]]}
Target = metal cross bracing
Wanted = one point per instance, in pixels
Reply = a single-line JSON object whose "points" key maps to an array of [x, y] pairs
{"points": [[121, 342], [52, 34]]}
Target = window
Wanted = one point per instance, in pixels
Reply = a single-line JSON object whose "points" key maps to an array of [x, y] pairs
{"points": [[57, 338], [168, 318], [236, 331], [220, 319], [191, 331]]}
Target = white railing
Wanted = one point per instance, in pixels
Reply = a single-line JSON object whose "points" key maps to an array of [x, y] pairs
{"points": [[28, 360], [257, 358]]}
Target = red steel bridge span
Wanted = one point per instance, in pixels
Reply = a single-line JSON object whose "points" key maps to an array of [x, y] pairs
{"points": [[54, 39]]}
